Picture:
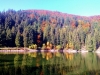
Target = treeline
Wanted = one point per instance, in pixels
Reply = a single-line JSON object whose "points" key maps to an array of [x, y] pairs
{"points": [[26, 27]]}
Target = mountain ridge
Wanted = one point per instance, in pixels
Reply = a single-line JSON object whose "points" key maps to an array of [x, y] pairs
{"points": [[32, 10]]}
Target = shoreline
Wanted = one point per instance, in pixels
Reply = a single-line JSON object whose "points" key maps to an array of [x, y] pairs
{"points": [[27, 50]]}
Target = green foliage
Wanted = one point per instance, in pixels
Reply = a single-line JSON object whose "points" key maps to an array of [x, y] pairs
{"points": [[89, 43], [24, 28], [17, 40], [16, 61]]}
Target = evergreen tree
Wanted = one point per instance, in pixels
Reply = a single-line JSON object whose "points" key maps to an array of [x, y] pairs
{"points": [[18, 40]]}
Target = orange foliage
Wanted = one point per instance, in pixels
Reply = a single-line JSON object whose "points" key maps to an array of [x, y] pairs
{"points": [[38, 36], [43, 25], [41, 73], [51, 45], [86, 25], [31, 15], [37, 64], [48, 48], [38, 41], [73, 24], [69, 56], [53, 21]]}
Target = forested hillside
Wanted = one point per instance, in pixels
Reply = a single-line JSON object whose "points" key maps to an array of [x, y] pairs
{"points": [[26, 27]]}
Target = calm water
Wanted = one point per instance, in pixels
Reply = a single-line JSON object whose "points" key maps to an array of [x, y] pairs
{"points": [[48, 63]]}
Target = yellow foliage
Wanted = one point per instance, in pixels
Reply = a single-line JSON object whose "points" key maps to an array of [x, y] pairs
{"points": [[43, 47], [47, 57], [58, 47], [69, 45], [33, 54], [43, 44], [69, 56], [33, 46], [29, 47], [43, 55], [58, 54], [48, 43]]}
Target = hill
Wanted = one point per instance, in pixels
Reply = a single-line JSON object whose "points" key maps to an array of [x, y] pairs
{"points": [[26, 27]]}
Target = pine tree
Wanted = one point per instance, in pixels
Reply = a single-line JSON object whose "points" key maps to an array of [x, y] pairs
{"points": [[89, 42], [17, 40]]}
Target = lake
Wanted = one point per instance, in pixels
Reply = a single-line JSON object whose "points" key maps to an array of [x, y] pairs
{"points": [[50, 63]]}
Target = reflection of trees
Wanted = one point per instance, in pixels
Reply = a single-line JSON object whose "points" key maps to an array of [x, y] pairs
{"points": [[69, 56], [31, 65], [43, 54], [17, 64], [6, 67], [33, 54], [26, 62], [48, 55], [70, 64], [57, 54], [91, 62], [57, 64]]}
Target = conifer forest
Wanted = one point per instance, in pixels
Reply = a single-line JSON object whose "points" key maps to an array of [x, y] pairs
{"points": [[52, 29]]}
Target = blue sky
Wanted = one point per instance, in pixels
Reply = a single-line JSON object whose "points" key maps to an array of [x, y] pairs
{"points": [[77, 7]]}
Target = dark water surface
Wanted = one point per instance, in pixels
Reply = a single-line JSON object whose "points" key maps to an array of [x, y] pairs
{"points": [[48, 63]]}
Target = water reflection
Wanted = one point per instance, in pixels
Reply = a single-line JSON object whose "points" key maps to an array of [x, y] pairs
{"points": [[50, 63]]}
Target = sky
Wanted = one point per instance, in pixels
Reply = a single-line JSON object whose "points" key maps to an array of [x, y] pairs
{"points": [[76, 7]]}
